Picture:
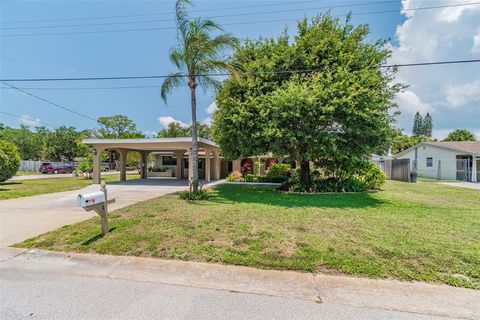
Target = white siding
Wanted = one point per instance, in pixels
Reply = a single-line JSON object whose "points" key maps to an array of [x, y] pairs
{"points": [[447, 159]]}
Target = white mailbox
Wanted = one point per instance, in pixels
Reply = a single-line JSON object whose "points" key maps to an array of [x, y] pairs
{"points": [[89, 199]]}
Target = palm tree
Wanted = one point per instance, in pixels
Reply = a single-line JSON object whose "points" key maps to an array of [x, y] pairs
{"points": [[197, 55]]}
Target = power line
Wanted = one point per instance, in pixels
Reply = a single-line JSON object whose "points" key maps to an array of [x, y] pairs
{"points": [[209, 17], [49, 102], [162, 13], [229, 24], [28, 119], [416, 64]]}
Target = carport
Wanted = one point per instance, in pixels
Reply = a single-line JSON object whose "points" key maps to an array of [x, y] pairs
{"points": [[180, 148]]}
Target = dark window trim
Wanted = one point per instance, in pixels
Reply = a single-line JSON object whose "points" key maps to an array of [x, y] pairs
{"points": [[429, 162]]}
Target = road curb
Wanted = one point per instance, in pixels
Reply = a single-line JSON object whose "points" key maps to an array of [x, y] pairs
{"points": [[414, 297]]}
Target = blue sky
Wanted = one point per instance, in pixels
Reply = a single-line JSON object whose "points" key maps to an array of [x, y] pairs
{"points": [[146, 53]]}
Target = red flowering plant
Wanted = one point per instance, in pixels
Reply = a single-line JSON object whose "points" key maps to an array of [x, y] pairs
{"points": [[246, 168]]}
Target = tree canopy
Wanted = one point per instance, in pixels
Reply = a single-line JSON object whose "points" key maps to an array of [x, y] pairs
{"points": [[175, 130], [319, 96], [117, 127], [460, 135]]}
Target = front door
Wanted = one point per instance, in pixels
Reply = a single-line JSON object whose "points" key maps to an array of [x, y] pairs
{"points": [[201, 170]]}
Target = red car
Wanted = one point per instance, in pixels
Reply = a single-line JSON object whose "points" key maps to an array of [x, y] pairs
{"points": [[56, 167]]}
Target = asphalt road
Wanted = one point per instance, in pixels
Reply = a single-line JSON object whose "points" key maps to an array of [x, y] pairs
{"points": [[37, 295]]}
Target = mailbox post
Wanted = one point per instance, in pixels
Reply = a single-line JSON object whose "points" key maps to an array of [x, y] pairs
{"points": [[98, 202]]}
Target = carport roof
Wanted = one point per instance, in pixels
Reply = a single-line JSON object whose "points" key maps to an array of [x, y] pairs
{"points": [[149, 142]]}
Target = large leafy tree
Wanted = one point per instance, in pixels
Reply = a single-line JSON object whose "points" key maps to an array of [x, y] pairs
{"points": [[117, 127], [197, 54], [175, 130], [30, 143], [320, 97], [62, 143], [460, 135]]}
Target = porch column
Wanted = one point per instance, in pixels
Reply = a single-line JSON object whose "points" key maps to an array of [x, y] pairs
{"points": [[143, 164], [236, 165], [123, 164], [216, 165], [97, 178], [190, 165], [474, 169], [179, 169], [207, 165]]}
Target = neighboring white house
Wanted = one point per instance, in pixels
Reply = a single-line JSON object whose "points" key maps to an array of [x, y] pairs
{"points": [[449, 160]]}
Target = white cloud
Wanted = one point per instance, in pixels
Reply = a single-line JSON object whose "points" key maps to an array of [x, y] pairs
{"points": [[212, 108], [460, 95], [410, 103], [28, 120], [453, 14], [448, 92], [166, 120], [207, 121], [476, 43]]}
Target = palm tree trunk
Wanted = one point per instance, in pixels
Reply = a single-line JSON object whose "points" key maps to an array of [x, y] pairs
{"points": [[194, 140]]}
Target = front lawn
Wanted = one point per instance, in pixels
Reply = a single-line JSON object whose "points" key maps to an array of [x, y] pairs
{"points": [[422, 231], [26, 188]]}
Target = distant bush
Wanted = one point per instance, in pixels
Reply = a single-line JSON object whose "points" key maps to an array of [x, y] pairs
{"points": [[279, 169], [9, 160]]}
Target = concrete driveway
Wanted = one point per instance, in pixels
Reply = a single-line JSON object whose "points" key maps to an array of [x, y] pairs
{"points": [[468, 185], [23, 218]]}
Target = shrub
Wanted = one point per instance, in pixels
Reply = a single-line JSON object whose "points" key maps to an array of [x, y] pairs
{"points": [[194, 195], [234, 176], [279, 169], [9, 160], [372, 176], [86, 164]]}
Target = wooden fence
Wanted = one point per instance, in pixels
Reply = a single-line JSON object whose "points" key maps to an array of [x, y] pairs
{"points": [[396, 169]]}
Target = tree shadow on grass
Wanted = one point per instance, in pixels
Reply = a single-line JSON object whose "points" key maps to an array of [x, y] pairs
{"points": [[267, 195], [95, 238]]}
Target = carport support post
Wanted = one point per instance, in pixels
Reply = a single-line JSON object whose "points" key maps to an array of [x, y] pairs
{"points": [[123, 164], [143, 164], [179, 170], [97, 178], [216, 165], [190, 166], [236, 165], [207, 165]]}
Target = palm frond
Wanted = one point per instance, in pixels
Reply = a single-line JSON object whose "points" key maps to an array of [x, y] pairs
{"points": [[181, 16], [207, 82], [177, 57], [174, 80]]}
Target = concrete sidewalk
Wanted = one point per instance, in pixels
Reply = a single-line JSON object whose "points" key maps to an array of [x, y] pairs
{"points": [[26, 217], [398, 300]]}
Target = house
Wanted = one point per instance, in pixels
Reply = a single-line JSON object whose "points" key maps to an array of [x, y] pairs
{"points": [[448, 160], [173, 155]]}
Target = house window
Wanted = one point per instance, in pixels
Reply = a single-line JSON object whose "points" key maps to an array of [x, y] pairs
{"points": [[429, 162], [229, 166], [169, 161]]}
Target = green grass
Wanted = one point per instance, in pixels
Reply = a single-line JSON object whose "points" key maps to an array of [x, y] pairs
{"points": [[25, 188], [27, 173], [424, 231]]}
